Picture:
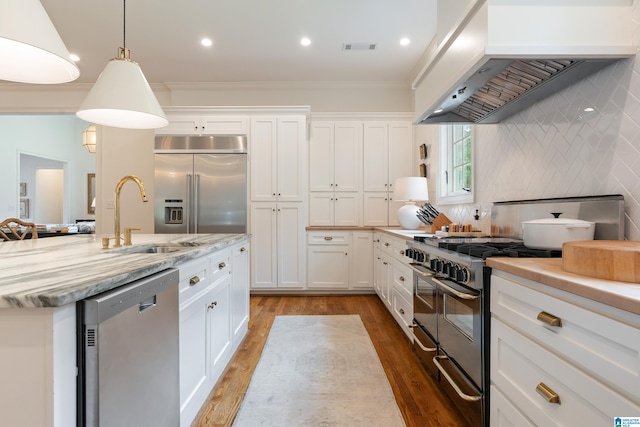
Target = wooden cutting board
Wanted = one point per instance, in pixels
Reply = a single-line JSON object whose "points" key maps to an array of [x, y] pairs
{"points": [[603, 259]]}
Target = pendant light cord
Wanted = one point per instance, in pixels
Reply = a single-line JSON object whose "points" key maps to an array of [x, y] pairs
{"points": [[124, 23]]}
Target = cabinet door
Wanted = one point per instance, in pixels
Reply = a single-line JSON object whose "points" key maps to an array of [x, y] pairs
{"points": [[181, 125], [393, 210], [376, 207], [223, 125], [401, 152], [375, 157], [328, 266], [262, 159], [321, 209], [239, 292], [264, 239], [291, 259], [291, 176], [361, 260], [321, 176], [346, 158], [194, 353], [219, 330], [346, 208]]}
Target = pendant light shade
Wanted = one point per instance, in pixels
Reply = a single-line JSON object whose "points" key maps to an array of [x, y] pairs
{"points": [[121, 97], [31, 50]]}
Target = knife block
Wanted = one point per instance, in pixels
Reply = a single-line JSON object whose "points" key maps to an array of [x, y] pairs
{"points": [[437, 223]]}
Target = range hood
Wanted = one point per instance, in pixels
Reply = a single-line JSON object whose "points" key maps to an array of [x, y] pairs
{"points": [[503, 56]]}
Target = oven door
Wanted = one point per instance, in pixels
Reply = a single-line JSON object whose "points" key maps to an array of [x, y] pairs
{"points": [[460, 324], [425, 317]]}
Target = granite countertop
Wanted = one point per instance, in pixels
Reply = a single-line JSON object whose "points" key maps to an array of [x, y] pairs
{"points": [[63, 270], [549, 271]]}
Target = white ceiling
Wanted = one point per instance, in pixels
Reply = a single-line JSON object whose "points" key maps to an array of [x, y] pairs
{"points": [[253, 40]]}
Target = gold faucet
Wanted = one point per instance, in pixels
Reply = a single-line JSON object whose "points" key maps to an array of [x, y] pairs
{"points": [[117, 213]]}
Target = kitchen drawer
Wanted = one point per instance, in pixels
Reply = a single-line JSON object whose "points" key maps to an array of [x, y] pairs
{"points": [[399, 247], [504, 413], [519, 366], [403, 312], [220, 265], [403, 279], [386, 244], [328, 238], [194, 276], [603, 347]]}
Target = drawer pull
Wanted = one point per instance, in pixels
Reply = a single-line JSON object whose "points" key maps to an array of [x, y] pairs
{"points": [[221, 265], [402, 311], [401, 252], [386, 244], [212, 305], [194, 280], [328, 238], [549, 395], [549, 319]]}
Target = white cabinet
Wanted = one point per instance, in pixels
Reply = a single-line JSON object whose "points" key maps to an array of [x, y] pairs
{"points": [[388, 154], [204, 124], [334, 209], [335, 156], [213, 315], [276, 159], [277, 245], [340, 260], [239, 292], [582, 361]]}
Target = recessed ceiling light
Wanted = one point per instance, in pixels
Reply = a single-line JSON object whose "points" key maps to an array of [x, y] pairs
{"points": [[404, 41], [74, 57], [588, 110], [206, 42], [305, 41]]}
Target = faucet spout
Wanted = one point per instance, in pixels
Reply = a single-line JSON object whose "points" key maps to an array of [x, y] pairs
{"points": [[119, 186]]}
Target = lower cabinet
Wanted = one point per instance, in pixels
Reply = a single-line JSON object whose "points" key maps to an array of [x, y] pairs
{"points": [[559, 360], [214, 301], [339, 260]]}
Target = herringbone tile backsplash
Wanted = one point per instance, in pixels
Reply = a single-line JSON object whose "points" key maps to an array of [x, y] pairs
{"points": [[556, 149]]}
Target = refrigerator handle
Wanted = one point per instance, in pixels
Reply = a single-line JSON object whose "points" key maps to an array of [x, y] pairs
{"points": [[188, 204], [196, 201]]}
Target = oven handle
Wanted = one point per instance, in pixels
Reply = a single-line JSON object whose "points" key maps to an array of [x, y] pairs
{"points": [[413, 266], [457, 293], [452, 383], [417, 340]]}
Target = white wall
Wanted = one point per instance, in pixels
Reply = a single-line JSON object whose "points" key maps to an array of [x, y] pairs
{"points": [[57, 137]]}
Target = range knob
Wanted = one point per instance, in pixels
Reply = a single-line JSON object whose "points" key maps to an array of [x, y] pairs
{"points": [[409, 252]]}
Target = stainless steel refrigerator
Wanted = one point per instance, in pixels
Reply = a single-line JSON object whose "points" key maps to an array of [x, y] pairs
{"points": [[200, 184]]}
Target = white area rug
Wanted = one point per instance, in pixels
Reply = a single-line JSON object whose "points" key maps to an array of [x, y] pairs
{"points": [[319, 371]]}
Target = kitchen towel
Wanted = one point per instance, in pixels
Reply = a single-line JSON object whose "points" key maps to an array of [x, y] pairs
{"points": [[319, 371]]}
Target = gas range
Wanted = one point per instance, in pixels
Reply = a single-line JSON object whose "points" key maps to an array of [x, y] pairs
{"points": [[462, 259]]}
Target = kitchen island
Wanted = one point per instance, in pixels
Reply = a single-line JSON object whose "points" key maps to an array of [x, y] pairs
{"points": [[40, 283]]}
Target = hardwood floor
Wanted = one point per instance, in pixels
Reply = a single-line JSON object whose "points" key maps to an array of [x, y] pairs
{"points": [[420, 402]]}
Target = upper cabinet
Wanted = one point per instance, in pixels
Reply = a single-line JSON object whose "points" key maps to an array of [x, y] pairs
{"points": [[204, 124], [388, 154], [485, 67], [334, 156], [277, 148]]}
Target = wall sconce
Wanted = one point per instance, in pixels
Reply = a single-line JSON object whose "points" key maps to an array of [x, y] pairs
{"points": [[89, 138]]}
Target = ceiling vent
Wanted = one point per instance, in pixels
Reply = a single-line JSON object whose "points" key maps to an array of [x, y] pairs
{"points": [[359, 46]]}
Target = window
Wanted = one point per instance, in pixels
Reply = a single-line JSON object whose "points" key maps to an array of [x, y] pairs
{"points": [[455, 179]]}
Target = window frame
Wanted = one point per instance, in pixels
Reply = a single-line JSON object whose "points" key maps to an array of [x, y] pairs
{"points": [[445, 194]]}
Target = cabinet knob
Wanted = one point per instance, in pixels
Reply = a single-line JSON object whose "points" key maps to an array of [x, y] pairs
{"points": [[194, 280], [212, 305], [549, 395], [242, 249], [549, 319], [401, 278], [346, 253], [401, 311], [386, 244], [401, 252], [221, 265]]}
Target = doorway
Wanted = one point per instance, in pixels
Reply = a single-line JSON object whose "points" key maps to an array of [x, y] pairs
{"points": [[42, 190]]}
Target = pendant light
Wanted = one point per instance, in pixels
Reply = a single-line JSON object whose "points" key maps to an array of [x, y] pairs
{"points": [[121, 97], [31, 50]]}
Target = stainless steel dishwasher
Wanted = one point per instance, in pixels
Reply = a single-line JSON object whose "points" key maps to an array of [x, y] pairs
{"points": [[128, 355]]}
